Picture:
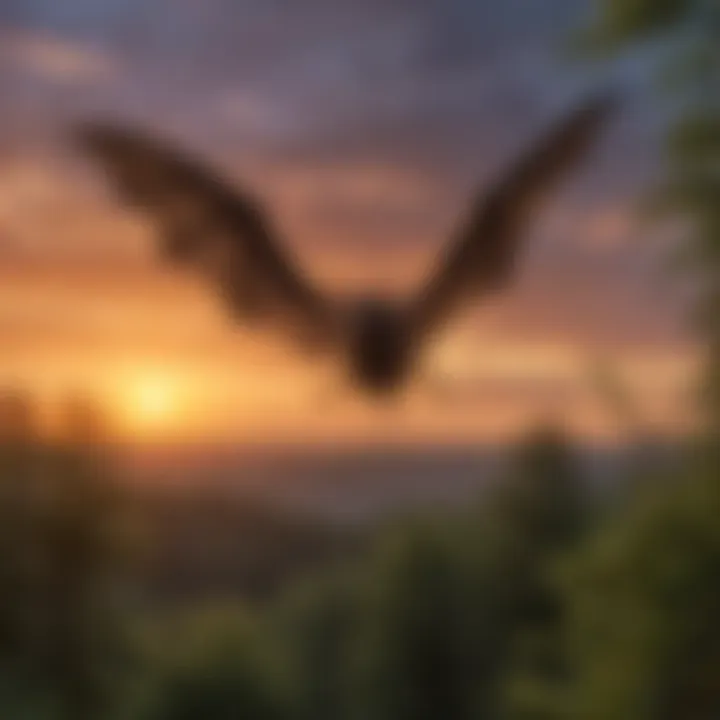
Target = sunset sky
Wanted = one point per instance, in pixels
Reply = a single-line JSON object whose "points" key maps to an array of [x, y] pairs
{"points": [[366, 128]]}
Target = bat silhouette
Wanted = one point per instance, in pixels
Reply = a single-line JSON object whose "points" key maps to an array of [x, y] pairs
{"points": [[205, 223]]}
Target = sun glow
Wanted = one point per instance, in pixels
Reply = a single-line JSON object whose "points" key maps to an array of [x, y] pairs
{"points": [[151, 405]]}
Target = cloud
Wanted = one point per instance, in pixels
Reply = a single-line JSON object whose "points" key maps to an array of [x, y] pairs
{"points": [[55, 59]]}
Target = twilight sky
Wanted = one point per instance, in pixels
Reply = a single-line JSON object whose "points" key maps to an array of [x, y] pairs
{"points": [[366, 127]]}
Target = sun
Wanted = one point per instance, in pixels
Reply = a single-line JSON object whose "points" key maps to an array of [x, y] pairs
{"points": [[151, 404], [154, 400]]}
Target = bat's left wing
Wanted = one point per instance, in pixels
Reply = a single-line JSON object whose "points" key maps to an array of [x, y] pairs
{"points": [[204, 222]]}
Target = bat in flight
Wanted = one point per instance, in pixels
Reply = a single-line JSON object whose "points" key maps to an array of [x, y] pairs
{"points": [[206, 224]]}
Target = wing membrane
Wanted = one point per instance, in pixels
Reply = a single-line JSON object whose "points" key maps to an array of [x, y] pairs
{"points": [[483, 256], [203, 222]]}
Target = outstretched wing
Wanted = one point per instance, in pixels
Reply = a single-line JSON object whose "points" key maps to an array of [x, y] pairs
{"points": [[482, 258], [203, 222]]}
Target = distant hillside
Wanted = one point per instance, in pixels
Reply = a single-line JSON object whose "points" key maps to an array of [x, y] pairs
{"points": [[238, 521], [353, 485], [209, 542]]}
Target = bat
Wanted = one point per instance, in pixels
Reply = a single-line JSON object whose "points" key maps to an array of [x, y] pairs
{"points": [[206, 224]]}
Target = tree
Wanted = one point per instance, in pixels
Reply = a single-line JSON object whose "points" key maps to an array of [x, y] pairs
{"points": [[461, 618], [536, 515], [643, 594], [21, 455], [215, 664], [643, 599], [83, 547], [60, 514], [542, 498], [317, 623], [692, 187], [413, 642]]}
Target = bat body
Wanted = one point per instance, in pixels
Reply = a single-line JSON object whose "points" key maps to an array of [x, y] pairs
{"points": [[219, 231], [381, 353]]}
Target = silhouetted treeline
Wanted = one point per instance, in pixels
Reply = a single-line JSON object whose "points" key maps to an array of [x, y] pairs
{"points": [[62, 563]]}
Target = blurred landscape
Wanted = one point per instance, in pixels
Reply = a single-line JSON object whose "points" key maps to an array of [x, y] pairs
{"points": [[193, 526], [176, 582], [364, 484]]}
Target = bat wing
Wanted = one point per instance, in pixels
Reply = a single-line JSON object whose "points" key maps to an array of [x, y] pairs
{"points": [[483, 256], [203, 222]]}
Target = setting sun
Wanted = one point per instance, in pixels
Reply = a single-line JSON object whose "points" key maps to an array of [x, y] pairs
{"points": [[154, 401], [151, 404]]}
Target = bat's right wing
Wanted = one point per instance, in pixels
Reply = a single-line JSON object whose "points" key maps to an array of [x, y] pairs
{"points": [[203, 222], [482, 258]]}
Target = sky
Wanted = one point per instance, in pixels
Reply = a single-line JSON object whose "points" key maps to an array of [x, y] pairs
{"points": [[366, 129]]}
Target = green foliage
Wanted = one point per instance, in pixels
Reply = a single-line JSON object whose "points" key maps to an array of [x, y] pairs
{"points": [[214, 664], [643, 599], [416, 639], [459, 618], [539, 512], [696, 140], [315, 628], [622, 21], [62, 648], [542, 500], [691, 62], [519, 609], [447, 616]]}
